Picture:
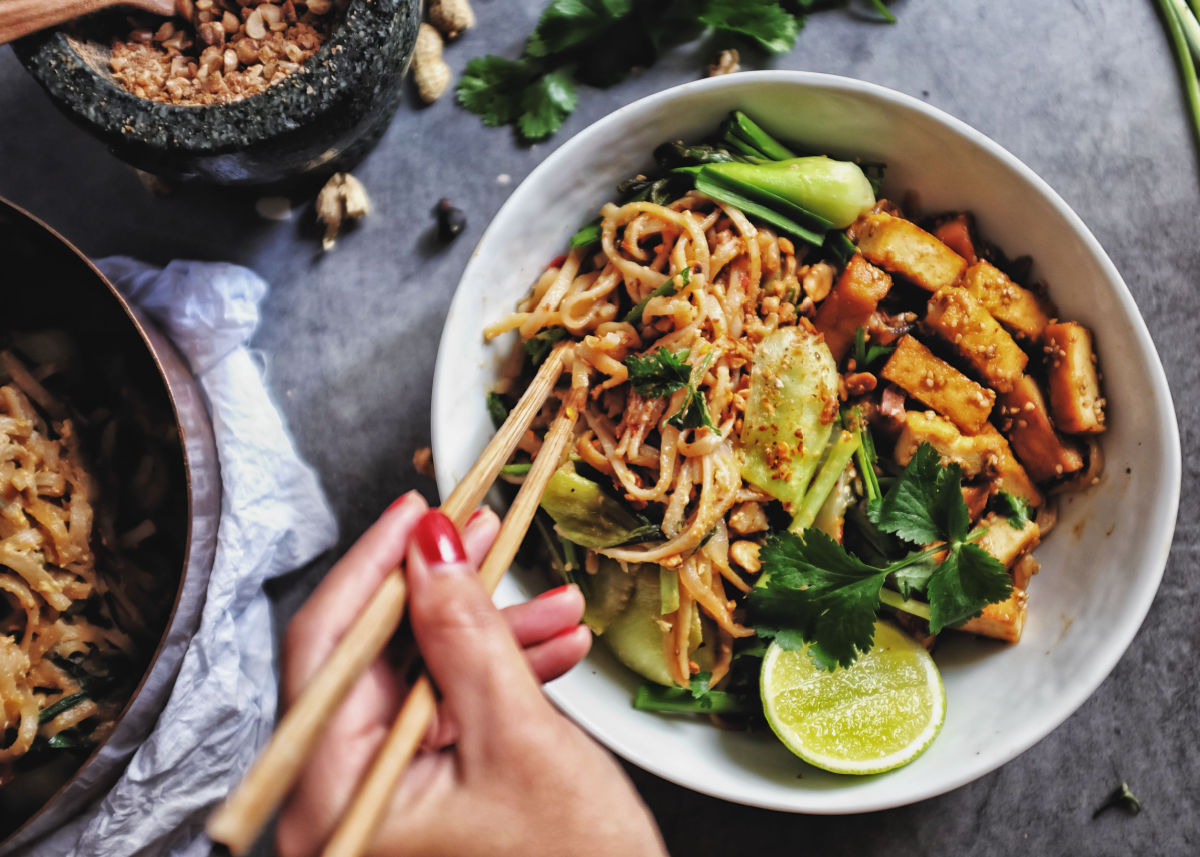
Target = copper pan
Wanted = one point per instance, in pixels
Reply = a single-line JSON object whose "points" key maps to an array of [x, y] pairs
{"points": [[47, 283]]}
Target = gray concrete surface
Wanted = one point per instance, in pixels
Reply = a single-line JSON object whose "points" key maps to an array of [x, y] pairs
{"points": [[1084, 92]]}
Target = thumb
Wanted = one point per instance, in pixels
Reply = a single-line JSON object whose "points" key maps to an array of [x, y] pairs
{"points": [[469, 650]]}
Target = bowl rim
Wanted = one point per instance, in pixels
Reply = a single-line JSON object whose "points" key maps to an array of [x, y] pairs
{"points": [[1155, 558], [192, 549], [281, 108]]}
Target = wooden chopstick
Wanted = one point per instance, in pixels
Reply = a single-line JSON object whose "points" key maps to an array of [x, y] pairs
{"points": [[360, 821], [238, 822]]}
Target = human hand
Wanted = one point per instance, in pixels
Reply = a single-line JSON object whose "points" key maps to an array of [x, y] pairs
{"points": [[501, 772]]}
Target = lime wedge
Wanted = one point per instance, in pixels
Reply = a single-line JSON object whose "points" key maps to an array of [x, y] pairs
{"points": [[874, 716]]}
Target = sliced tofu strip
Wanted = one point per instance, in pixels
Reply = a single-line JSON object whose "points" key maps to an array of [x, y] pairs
{"points": [[1015, 307], [970, 452], [902, 247], [1004, 620], [967, 325], [955, 233], [1006, 542], [850, 304], [931, 380], [1075, 399], [984, 454], [1036, 444], [1007, 473]]}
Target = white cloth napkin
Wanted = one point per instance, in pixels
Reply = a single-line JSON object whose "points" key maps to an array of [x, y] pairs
{"points": [[274, 518]]}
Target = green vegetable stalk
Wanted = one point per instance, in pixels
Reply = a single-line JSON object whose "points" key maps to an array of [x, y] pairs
{"points": [[837, 191]]}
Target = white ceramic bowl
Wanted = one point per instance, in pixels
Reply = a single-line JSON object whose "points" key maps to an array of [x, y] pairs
{"points": [[1100, 567]]}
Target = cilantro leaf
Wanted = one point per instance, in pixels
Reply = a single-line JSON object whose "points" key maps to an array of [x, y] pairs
{"points": [[493, 88], [540, 344], [762, 21], [699, 684], [496, 408], [504, 92], [545, 104], [693, 413], [1015, 509], [566, 24], [925, 504], [914, 578], [967, 580], [659, 374], [817, 592]]}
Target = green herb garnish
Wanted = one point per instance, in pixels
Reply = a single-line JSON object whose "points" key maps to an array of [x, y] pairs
{"points": [[496, 408], [539, 345], [598, 42], [659, 374], [816, 592], [667, 289], [1016, 509]]}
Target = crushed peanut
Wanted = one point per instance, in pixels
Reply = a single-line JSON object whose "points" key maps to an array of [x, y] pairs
{"points": [[218, 51]]}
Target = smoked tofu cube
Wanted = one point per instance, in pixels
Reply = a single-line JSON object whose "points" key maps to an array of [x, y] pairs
{"points": [[1015, 307], [1004, 620], [955, 233], [976, 497], [970, 452], [902, 247], [1034, 441], [1004, 541], [1074, 385], [931, 380], [850, 304], [978, 338], [1007, 473], [1024, 570]]}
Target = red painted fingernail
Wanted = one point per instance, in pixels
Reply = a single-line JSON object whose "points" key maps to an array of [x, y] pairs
{"points": [[474, 515], [397, 502], [438, 540], [551, 592]]}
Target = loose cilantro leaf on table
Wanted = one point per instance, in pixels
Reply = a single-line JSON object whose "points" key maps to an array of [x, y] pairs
{"points": [[600, 41], [659, 374], [817, 592]]}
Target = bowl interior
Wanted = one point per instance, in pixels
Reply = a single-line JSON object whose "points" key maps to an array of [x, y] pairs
{"points": [[1101, 566]]}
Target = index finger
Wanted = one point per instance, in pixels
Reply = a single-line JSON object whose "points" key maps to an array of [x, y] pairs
{"points": [[332, 608]]}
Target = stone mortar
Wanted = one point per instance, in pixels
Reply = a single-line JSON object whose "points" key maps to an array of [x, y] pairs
{"points": [[322, 117]]}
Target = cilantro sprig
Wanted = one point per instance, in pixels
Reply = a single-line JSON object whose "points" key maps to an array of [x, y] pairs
{"points": [[661, 374], [598, 42], [816, 592]]}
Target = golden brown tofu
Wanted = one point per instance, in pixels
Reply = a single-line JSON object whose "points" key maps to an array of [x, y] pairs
{"points": [[956, 233], [1015, 307], [902, 247], [1075, 399], [858, 290], [1007, 473], [929, 379], [976, 497], [977, 337], [1034, 441], [1004, 620], [1004, 541], [970, 452], [1024, 570]]}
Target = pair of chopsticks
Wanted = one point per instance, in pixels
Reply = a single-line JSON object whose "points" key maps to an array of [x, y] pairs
{"points": [[238, 822]]}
